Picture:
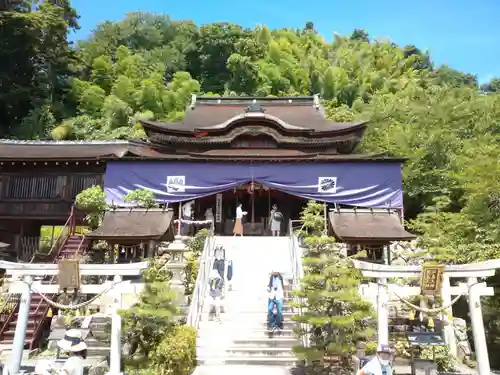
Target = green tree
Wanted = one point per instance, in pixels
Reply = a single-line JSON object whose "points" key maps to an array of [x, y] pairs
{"points": [[337, 317], [152, 318], [142, 198], [93, 202], [36, 61]]}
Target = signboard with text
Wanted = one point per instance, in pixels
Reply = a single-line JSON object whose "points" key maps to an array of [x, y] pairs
{"points": [[69, 274], [432, 279], [218, 208]]}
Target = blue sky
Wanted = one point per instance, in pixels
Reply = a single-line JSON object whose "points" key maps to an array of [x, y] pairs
{"points": [[464, 34]]}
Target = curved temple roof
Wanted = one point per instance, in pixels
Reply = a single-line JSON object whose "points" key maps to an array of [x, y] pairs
{"points": [[217, 128], [292, 114]]}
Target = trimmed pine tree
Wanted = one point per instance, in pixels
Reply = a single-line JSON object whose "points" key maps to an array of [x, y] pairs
{"points": [[335, 317]]}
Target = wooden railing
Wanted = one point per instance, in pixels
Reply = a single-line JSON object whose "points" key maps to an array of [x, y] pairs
{"points": [[43, 307], [67, 231], [9, 308], [59, 243], [34, 208], [24, 187], [28, 247]]}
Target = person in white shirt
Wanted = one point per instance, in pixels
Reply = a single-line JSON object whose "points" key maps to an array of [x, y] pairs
{"points": [[216, 291], [73, 344], [44, 367], [209, 214], [381, 364], [238, 224], [187, 214]]}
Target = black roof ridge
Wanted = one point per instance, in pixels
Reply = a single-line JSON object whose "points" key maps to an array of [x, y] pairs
{"points": [[63, 143], [261, 98]]}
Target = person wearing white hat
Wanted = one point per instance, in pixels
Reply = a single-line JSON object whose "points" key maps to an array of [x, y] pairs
{"points": [[381, 363], [73, 344]]}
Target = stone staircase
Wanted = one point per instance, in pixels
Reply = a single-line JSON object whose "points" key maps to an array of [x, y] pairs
{"points": [[38, 322], [241, 337]]}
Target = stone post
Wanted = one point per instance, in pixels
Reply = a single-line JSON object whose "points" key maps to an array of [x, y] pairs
{"points": [[116, 330], [447, 316], [476, 317], [21, 326], [176, 264], [382, 312]]}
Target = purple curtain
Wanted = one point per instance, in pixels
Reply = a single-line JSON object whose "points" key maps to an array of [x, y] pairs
{"points": [[361, 184]]}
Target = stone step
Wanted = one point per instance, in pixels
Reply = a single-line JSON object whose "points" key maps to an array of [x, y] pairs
{"points": [[245, 316], [253, 361], [220, 348], [93, 343], [98, 351], [250, 333], [261, 342], [233, 308], [246, 300], [241, 370], [232, 325]]}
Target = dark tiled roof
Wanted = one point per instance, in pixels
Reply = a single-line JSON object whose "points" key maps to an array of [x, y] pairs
{"points": [[74, 150], [134, 223], [253, 152], [238, 155], [292, 113], [351, 138], [366, 224], [104, 150]]}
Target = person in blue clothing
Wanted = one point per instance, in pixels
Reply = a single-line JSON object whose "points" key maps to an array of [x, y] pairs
{"points": [[277, 292]]}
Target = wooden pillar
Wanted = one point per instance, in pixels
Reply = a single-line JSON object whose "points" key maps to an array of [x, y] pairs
{"points": [[180, 217], [252, 198]]}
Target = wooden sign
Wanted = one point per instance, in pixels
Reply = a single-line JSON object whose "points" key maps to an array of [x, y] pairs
{"points": [[69, 274], [432, 279]]}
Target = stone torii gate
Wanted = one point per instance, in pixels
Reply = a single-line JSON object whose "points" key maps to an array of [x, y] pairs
{"points": [[23, 277], [473, 289]]}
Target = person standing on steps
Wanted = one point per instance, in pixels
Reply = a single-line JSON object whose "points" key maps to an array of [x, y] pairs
{"points": [[216, 286], [187, 214], [238, 223], [275, 220], [73, 344], [277, 293]]}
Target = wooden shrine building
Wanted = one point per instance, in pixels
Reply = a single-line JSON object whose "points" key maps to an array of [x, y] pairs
{"points": [[254, 151], [134, 233]]}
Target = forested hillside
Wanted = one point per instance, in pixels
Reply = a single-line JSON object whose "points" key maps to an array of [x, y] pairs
{"points": [[147, 65]]}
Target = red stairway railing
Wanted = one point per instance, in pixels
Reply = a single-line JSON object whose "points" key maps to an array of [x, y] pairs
{"points": [[66, 232], [43, 307]]}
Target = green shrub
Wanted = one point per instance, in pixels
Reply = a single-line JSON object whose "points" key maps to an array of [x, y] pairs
{"points": [[176, 354], [371, 348], [195, 245], [142, 198], [441, 355]]}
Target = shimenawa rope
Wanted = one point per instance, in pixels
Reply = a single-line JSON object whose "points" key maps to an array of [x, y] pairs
{"points": [[429, 311], [72, 307]]}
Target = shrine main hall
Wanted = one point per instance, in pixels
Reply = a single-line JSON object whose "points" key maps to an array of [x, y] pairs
{"points": [[227, 150]]}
